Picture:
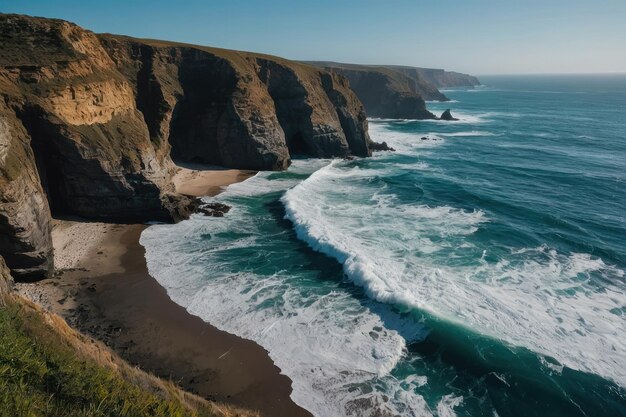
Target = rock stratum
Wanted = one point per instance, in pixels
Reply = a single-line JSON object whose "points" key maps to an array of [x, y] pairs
{"points": [[90, 125], [398, 92]]}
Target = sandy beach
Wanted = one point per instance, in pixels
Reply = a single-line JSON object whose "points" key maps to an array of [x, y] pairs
{"points": [[199, 180], [102, 287]]}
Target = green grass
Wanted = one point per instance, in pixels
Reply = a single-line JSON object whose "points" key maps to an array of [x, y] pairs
{"points": [[41, 374]]}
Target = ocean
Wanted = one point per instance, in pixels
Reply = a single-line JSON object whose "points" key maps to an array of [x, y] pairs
{"points": [[478, 270]]}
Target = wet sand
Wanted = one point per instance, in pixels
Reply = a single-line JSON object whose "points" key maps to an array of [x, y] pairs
{"points": [[105, 291]]}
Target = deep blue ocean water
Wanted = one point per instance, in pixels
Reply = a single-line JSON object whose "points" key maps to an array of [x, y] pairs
{"points": [[479, 270]]}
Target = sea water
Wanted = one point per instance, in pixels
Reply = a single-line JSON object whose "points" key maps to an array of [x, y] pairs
{"points": [[478, 270]]}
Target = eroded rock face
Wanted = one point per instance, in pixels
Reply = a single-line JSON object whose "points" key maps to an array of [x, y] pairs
{"points": [[6, 282], [395, 91], [387, 93], [441, 78], [239, 109], [92, 148], [25, 240], [89, 125]]}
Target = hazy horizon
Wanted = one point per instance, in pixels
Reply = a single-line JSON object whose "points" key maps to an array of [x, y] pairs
{"points": [[486, 37]]}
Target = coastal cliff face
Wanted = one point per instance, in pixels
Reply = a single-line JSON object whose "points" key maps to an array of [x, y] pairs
{"points": [[89, 125], [239, 109], [65, 100], [397, 92], [386, 92], [25, 239], [439, 77]]}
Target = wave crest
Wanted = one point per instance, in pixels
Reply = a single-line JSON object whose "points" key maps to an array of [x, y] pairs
{"points": [[400, 254]]}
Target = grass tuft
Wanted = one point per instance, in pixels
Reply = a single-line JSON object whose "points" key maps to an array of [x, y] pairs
{"points": [[41, 374]]}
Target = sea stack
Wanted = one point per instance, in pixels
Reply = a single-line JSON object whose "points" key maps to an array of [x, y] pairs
{"points": [[446, 115]]}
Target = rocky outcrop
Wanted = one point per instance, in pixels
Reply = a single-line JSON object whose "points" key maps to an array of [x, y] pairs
{"points": [[89, 125], [446, 115], [375, 146], [214, 209]]}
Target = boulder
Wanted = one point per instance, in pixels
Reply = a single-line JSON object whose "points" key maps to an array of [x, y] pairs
{"points": [[214, 209]]}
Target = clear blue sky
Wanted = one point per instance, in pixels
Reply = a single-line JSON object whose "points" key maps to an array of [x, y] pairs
{"points": [[475, 36]]}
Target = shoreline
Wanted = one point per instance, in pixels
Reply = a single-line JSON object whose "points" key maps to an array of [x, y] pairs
{"points": [[204, 180], [104, 290]]}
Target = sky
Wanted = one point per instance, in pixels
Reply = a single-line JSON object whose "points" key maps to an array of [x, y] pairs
{"points": [[474, 36]]}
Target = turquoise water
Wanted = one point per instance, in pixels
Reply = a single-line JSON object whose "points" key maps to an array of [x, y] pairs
{"points": [[479, 272]]}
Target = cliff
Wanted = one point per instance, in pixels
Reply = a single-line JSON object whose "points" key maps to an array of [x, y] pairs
{"points": [[90, 125], [398, 92], [239, 109], [439, 77], [386, 92]]}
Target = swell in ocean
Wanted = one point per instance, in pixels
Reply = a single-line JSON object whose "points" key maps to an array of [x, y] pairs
{"points": [[478, 271]]}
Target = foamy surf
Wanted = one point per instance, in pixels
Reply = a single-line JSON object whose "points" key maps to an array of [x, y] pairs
{"points": [[338, 351], [489, 260], [567, 319]]}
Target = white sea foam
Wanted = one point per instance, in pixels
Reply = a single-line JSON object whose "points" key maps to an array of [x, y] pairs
{"points": [[403, 142], [468, 134], [446, 406], [337, 351], [262, 182], [536, 297], [418, 166], [463, 118], [441, 102]]}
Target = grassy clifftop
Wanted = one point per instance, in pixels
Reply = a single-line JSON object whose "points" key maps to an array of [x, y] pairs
{"points": [[49, 369]]}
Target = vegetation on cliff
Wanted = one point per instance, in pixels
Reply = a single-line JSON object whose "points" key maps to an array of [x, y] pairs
{"points": [[48, 369]]}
